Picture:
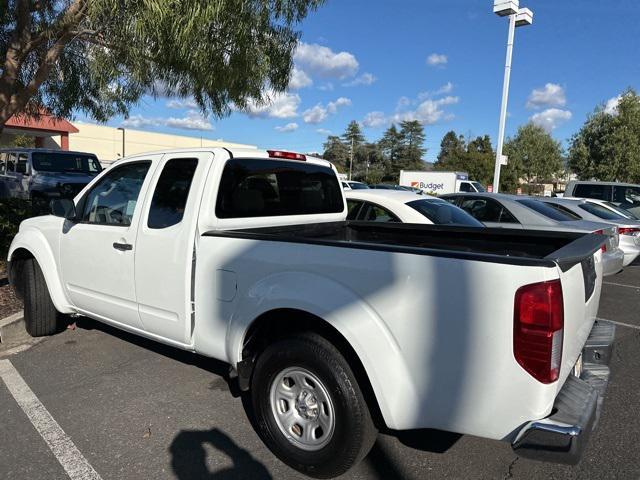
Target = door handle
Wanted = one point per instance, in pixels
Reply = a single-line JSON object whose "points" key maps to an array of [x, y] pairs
{"points": [[122, 246]]}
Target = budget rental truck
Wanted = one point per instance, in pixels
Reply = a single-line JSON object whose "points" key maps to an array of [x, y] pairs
{"points": [[440, 183]]}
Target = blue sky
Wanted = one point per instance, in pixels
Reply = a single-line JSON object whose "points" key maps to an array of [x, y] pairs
{"points": [[438, 61]]}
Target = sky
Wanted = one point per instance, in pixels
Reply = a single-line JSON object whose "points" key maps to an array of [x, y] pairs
{"points": [[437, 61]]}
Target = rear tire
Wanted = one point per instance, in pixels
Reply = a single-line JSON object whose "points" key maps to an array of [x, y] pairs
{"points": [[40, 315], [329, 405]]}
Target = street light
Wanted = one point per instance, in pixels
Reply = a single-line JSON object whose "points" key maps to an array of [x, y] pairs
{"points": [[518, 17], [120, 128]]}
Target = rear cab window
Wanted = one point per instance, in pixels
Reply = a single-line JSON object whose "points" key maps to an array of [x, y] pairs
{"points": [[600, 192], [252, 188], [65, 162]]}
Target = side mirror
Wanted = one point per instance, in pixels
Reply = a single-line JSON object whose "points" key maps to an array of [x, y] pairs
{"points": [[63, 207]]}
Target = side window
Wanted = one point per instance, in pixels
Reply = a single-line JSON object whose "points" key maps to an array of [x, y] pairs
{"points": [[452, 200], [11, 162], [487, 210], [21, 166], [466, 187], [353, 206], [627, 196], [375, 213], [3, 163], [112, 201], [171, 193], [600, 192]]}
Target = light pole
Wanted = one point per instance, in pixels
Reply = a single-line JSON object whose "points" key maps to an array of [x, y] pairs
{"points": [[518, 17], [120, 128]]}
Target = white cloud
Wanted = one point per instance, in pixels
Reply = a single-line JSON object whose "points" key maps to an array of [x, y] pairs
{"points": [[364, 79], [443, 90], [289, 127], [428, 112], [551, 118], [192, 121], [299, 79], [278, 105], [323, 131], [319, 113], [180, 104], [138, 121], [612, 105], [327, 87], [552, 95], [375, 120], [403, 102], [437, 60], [324, 62]]}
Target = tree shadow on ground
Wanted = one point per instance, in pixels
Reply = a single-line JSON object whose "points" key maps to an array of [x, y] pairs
{"points": [[189, 457]]}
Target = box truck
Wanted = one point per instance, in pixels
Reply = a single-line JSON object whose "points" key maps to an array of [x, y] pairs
{"points": [[440, 183]]}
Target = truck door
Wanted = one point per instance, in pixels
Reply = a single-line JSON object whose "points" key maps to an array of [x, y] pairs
{"points": [[97, 251], [165, 245]]}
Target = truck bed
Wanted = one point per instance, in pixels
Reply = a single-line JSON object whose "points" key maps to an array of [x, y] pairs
{"points": [[498, 245]]}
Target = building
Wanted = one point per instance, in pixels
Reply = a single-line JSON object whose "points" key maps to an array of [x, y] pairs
{"points": [[107, 143]]}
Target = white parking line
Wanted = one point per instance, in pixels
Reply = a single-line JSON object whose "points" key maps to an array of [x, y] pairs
{"points": [[622, 285], [635, 327], [65, 451]]}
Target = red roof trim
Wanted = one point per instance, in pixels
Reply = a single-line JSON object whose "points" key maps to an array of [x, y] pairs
{"points": [[45, 123]]}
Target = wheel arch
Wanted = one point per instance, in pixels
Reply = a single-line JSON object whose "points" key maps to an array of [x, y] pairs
{"points": [[284, 322], [31, 244]]}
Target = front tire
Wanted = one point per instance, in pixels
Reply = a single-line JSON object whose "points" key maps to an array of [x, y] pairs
{"points": [[40, 315], [309, 408]]}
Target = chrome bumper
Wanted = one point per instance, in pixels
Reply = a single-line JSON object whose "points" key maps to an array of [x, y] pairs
{"points": [[562, 437]]}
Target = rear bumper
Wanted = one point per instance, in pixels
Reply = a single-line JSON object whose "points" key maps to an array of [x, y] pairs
{"points": [[562, 437]]}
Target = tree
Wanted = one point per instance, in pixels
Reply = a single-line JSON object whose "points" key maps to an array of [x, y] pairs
{"points": [[353, 139], [607, 147], [533, 154], [412, 138], [101, 56], [337, 153], [473, 156]]}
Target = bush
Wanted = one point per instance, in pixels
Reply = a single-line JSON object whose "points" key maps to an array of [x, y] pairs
{"points": [[12, 212]]}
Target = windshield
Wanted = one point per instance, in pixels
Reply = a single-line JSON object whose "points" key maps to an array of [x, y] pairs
{"points": [[65, 162], [622, 211], [546, 210], [443, 213], [479, 187], [358, 186], [601, 212]]}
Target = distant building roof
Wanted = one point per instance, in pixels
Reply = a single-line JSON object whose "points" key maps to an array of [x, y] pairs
{"points": [[44, 123]]}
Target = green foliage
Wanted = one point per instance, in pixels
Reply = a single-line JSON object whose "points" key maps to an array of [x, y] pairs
{"points": [[12, 212], [101, 56], [23, 141], [337, 153], [353, 133], [533, 155], [474, 156], [607, 147]]}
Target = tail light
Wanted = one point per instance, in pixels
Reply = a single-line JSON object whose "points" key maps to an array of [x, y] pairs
{"points": [[629, 231], [538, 329], [286, 155], [603, 248]]}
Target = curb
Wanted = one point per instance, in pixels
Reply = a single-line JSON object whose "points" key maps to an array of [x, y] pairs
{"points": [[12, 327]]}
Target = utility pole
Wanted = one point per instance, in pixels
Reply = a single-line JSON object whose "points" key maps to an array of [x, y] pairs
{"points": [[351, 161]]}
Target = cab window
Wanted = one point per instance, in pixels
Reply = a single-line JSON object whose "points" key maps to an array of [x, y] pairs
{"points": [[112, 201], [3, 163], [11, 162], [466, 187], [353, 206], [627, 197], [171, 193], [600, 192], [21, 166]]}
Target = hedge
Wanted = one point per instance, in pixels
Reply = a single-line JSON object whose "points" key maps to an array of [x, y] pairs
{"points": [[12, 212]]}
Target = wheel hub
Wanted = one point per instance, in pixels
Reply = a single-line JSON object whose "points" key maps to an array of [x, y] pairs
{"points": [[307, 405]]}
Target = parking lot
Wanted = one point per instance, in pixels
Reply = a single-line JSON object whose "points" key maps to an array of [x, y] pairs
{"points": [[122, 407]]}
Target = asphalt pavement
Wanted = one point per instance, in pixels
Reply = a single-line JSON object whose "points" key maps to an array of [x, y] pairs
{"points": [[136, 409]]}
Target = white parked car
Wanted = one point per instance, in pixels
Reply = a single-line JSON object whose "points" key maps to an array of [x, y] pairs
{"points": [[625, 195], [334, 328], [406, 207], [598, 211]]}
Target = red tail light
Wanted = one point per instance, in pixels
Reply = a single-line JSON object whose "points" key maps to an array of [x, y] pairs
{"points": [[286, 155], [603, 248], [629, 231], [538, 329]]}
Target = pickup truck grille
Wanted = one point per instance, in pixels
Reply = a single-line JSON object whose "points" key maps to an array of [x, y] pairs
{"points": [[589, 276]]}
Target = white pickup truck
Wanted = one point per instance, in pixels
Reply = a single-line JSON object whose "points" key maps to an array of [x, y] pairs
{"points": [[335, 329]]}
